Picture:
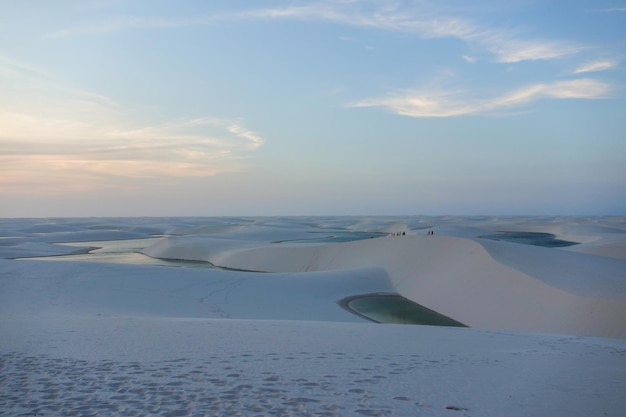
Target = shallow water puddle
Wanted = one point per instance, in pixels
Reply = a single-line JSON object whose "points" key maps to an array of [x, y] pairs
{"points": [[546, 240], [393, 308], [121, 252]]}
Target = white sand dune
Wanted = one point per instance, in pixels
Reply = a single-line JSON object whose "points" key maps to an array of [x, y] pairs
{"points": [[481, 283], [66, 288], [89, 338]]}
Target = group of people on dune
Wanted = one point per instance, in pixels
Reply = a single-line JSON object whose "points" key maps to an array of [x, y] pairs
{"points": [[430, 233]]}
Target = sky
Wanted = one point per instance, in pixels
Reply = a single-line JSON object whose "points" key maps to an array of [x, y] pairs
{"points": [[344, 107]]}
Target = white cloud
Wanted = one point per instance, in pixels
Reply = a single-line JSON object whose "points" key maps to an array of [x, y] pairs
{"points": [[455, 103], [469, 58], [50, 133], [242, 132], [512, 50], [613, 9], [595, 66], [126, 23], [426, 21]]}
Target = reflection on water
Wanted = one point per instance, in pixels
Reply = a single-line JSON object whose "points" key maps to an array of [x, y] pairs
{"points": [[393, 308], [121, 252], [547, 240]]}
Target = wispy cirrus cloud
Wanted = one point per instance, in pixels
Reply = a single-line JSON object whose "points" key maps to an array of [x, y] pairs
{"points": [[22, 80], [594, 66], [186, 148], [61, 136], [427, 21], [123, 23], [613, 9], [458, 103], [469, 58], [511, 50]]}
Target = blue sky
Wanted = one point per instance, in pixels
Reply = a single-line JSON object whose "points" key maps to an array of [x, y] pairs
{"points": [[133, 107]]}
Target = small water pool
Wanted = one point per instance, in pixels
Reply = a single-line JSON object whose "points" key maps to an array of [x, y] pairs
{"points": [[393, 308], [335, 237], [547, 240], [121, 252]]}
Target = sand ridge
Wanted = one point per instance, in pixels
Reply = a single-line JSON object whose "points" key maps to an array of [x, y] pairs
{"points": [[476, 281]]}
